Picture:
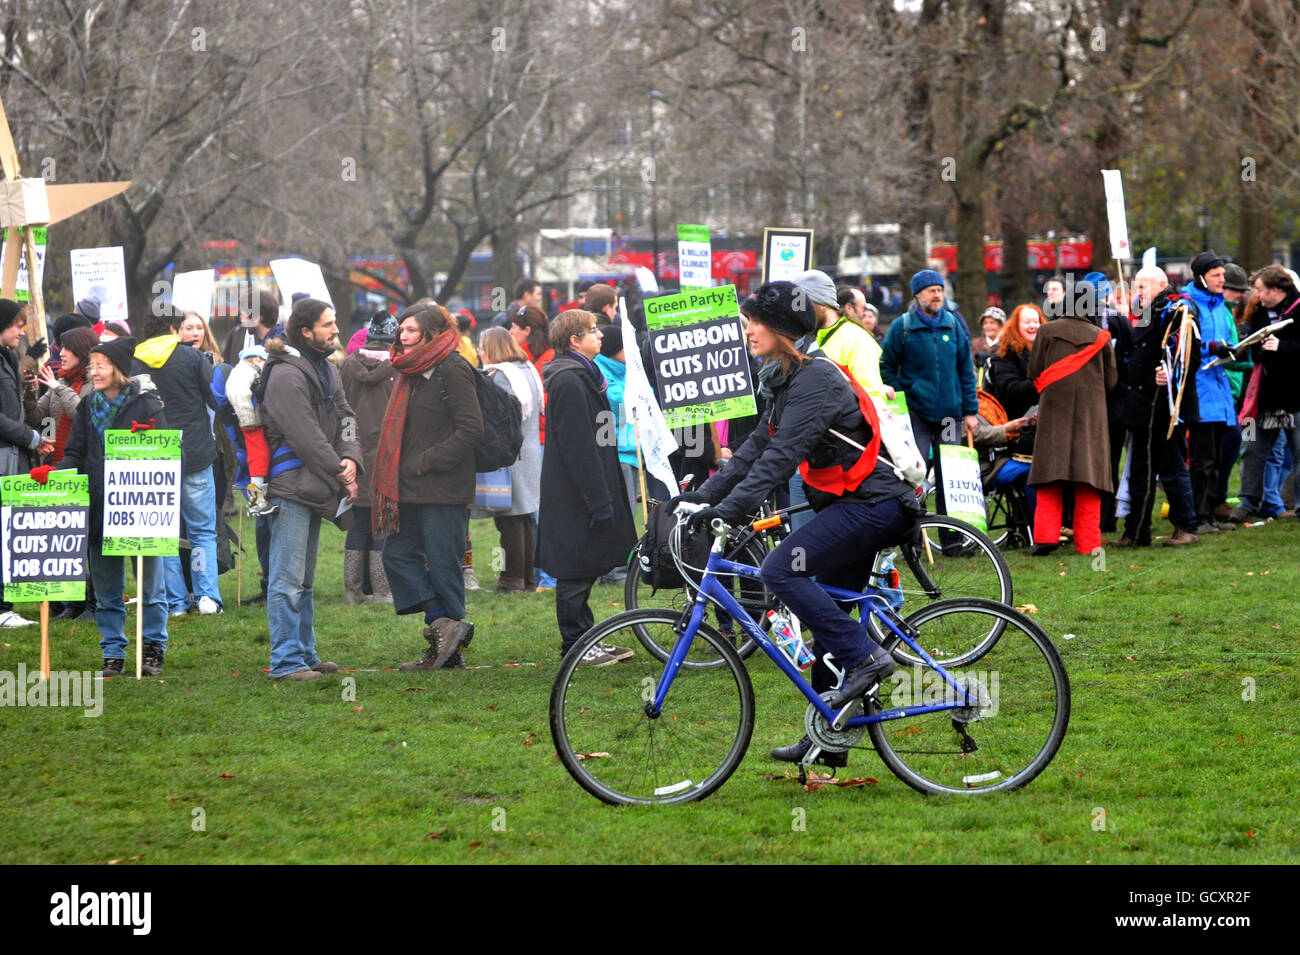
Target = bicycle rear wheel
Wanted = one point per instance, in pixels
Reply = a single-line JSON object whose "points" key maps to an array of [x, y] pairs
{"points": [[620, 754], [960, 561], [748, 591], [1022, 711]]}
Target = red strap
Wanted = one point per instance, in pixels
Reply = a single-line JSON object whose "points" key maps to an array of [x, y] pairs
{"points": [[839, 480], [1070, 363]]}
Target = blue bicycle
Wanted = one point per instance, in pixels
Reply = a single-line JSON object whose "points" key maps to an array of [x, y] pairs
{"points": [[988, 719]]}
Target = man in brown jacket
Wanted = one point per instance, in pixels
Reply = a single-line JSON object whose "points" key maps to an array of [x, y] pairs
{"points": [[314, 462]]}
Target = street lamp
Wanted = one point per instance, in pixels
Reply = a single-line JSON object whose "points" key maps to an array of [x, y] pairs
{"points": [[1203, 220], [654, 194]]}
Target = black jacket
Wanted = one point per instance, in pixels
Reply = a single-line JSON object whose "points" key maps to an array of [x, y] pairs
{"points": [[85, 448], [1009, 382], [1279, 388], [1146, 405], [184, 382], [812, 399], [14, 429], [581, 479]]}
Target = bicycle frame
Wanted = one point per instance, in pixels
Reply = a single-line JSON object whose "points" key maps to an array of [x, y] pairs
{"points": [[711, 589]]}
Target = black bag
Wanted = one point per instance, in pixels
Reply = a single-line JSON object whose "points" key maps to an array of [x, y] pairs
{"points": [[503, 431], [657, 567]]}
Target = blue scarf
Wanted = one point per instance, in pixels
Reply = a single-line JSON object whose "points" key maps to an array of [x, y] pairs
{"points": [[931, 321], [104, 412], [597, 376]]}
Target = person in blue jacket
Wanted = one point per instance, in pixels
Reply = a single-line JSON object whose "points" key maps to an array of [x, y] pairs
{"points": [[927, 356], [1216, 409]]}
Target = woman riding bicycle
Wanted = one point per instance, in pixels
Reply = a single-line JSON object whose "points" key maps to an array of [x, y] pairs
{"points": [[815, 423]]}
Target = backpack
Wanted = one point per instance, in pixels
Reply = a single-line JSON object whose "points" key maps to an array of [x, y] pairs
{"points": [[503, 433], [655, 556]]}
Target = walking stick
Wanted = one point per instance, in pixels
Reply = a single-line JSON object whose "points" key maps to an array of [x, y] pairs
{"points": [[139, 616]]}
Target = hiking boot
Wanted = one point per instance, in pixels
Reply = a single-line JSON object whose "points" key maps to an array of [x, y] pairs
{"points": [[1240, 514], [1225, 525], [1206, 528], [113, 666], [863, 677], [455, 662], [471, 582], [1042, 550], [253, 601], [510, 585], [795, 753], [152, 664], [1181, 536], [445, 637], [598, 657], [325, 666]]}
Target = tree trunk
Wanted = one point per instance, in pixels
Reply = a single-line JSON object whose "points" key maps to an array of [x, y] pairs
{"points": [[505, 260], [972, 278], [1013, 279], [1254, 228]]}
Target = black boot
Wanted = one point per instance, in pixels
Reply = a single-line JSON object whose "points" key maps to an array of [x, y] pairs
{"points": [[152, 664], [112, 667], [797, 751]]}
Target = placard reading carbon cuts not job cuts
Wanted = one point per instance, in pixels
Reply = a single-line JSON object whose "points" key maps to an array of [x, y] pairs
{"points": [[142, 493], [698, 353]]}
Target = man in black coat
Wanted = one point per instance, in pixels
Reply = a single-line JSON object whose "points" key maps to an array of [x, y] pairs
{"points": [[585, 525], [1155, 452]]}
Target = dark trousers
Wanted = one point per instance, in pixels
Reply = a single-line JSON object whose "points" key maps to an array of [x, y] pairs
{"points": [[262, 534], [1154, 455], [517, 541], [572, 612], [838, 547], [1228, 451], [422, 561], [1203, 468]]}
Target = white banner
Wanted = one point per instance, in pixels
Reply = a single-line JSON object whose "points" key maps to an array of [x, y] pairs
{"points": [[963, 489], [142, 498], [192, 291], [299, 275], [1114, 183], [657, 441], [101, 274]]}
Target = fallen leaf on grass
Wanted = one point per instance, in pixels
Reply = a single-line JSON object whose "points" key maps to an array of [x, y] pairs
{"points": [[117, 861], [593, 755], [357, 708], [415, 689], [438, 834], [490, 707], [1028, 608], [227, 775], [475, 845], [1127, 657]]}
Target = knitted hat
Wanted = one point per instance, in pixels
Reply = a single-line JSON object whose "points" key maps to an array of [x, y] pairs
{"points": [[382, 329], [1235, 278], [89, 307], [785, 308], [1099, 281], [8, 312], [994, 313], [611, 340], [819, 287], [119, 351], [1206, 261], [65, 323], [924, 279]]}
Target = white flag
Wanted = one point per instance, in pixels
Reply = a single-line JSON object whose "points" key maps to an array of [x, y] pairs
{"points": [[657, 441], [1119, 247]]}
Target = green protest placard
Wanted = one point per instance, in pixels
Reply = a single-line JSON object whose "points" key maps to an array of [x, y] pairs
{"points": [[694, 257], [22, 288], [698, 353], [897, 404], [142, 493], [44, 554]]}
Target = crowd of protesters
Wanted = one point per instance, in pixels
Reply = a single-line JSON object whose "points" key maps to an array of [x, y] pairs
{"points": [[378, 434]]}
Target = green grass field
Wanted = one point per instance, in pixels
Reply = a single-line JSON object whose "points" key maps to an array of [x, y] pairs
{"points": [[214, 763]]}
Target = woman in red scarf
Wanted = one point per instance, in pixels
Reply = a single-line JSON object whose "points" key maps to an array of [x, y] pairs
{"points": [[64, 391], [423, 482]]}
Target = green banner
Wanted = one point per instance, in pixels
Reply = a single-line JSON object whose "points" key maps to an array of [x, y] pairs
{"points": [[963, 490], [142, 493], [698, 353], [45, 536], [692, 233], [22, 287], [897, 404]]}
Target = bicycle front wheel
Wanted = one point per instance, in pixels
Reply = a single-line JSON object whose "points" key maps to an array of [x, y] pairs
{"points": [[619, 753], [1020, 705], [749, 592], [947, 558]]}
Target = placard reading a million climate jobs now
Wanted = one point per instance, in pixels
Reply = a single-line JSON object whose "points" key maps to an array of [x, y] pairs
{"points": [[142, 493], [698, 350], [44, 552]]}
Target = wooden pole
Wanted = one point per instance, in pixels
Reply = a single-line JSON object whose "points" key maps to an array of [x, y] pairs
{"points": [[640, 472], [45, 639], [239, 552], [36, 312], [139, 616], [1123, 289]]}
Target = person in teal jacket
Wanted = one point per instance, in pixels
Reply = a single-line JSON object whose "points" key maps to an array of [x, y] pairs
{"points": [[927, 356], [610, 362], [1216, 409]]}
